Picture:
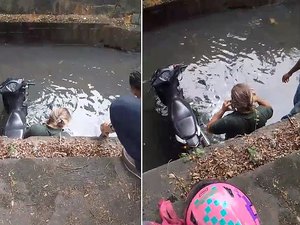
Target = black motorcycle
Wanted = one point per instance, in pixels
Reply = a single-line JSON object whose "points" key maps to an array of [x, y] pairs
{"points": [[14, 94], [187, 131]]}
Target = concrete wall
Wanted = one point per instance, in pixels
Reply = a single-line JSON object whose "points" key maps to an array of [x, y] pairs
{"points": [[161, 12], [99, 34], [69, 6]]}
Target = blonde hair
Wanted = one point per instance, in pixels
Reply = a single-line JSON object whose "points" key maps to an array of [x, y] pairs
{"points": [[241, 98], [59, 118]]}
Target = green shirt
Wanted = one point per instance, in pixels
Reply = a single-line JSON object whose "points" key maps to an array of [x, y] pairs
{"points": [[237, 123], [44, 130]]}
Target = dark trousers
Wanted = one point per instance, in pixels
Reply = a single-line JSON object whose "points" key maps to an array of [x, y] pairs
{"points": [[296, 102]]}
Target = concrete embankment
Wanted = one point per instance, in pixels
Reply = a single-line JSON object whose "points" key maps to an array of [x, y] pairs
{"points": [[162, 12], [105, 32], [114, 23], [78, 180], [273, 187], [58, 7], [68, 191]]}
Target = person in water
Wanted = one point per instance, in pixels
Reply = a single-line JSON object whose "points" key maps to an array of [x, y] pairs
{"points": [[296, 101], [58, 119], [246, 116], [125, 116]]}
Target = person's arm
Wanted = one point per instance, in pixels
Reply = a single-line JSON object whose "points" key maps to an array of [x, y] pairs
{"points": [[261, 101], [225, 107], [286, 77], [106, 129]]}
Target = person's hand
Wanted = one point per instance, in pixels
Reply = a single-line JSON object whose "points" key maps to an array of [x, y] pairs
{"points": [[105, 129], [226, 106], [286, 77], [254, 96]]}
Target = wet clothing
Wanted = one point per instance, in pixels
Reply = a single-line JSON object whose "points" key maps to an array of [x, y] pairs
{"points": [[125, 116], [44, 130], [237, 123]]}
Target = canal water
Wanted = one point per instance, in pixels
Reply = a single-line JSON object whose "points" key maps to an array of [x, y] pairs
{"points": [[84, 79], [255, 46]]}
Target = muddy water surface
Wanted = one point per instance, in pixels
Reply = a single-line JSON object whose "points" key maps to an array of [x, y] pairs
{"points": [[254, 46], [83, 79]]}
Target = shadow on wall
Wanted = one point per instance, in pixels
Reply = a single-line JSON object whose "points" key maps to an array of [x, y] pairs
{"points": [[80, 7]]}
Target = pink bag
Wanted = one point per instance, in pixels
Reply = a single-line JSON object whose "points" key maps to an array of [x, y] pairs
{"points": [[167, 214]]}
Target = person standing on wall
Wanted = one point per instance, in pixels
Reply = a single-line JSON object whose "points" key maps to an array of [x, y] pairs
{"points": [[296, 101]]}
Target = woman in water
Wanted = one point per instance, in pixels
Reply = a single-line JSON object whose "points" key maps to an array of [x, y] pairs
{"points": [[58, 119]]}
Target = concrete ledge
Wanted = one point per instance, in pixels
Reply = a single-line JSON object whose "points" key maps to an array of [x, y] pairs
{"points": [[95, 34], [162, 12], [274, 183], [49, 147], [68, 191], [83, 7]]}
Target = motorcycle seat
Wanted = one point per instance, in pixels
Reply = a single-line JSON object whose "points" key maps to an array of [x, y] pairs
{"points": [[183, 118], [15, 126]]}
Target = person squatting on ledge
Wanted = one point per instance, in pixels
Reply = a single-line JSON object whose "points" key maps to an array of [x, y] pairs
{"points": [[125, 116]]}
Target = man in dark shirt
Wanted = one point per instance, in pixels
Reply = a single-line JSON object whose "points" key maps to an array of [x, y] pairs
{"points": [[245, 117], [125, 116]]}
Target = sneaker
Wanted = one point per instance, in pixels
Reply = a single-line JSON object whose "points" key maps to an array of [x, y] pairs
{"points": [[129, 164]]}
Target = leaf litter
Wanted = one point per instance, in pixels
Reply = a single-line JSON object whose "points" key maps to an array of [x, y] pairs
{"points": [[59, 147], [223, 163]]}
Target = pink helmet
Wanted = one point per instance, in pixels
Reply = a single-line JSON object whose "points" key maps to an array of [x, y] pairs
{"points": [[219, 203]]}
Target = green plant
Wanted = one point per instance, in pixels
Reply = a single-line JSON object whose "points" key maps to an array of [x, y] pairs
{"points": [[12, 149], [195, 153], [255, 156]]}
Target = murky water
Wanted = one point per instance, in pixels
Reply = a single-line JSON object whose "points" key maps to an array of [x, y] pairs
{"points": [[254, 46], [83, 79]]}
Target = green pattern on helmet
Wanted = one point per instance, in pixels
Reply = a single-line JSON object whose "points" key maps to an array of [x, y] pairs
{"points": [[206, 219], [197, 202], [222, 222], [209, 201], [207, 209], [223, 213], [214, 220], [216, 202]]}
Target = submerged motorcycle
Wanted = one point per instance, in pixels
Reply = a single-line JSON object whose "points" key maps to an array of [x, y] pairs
{"points": [[14, 94], [186, 128]]}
